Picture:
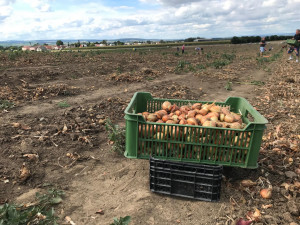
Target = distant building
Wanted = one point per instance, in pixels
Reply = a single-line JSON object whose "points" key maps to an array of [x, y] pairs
{"points": [[32, 48], [26, 48], [41, 48]]}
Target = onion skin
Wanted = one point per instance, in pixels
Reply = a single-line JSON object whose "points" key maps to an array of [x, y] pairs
{"points": [[191, 114], [248, 183], [222, 117], [209, 124], [167, 106], [225, 110], [196, 106], [171, 122], [243, 222], [183, 121], [229, 118], [214, 118], [182, 117], [235, 125], [152, 117], [236, 117], [198, 117], [266, 193], [211, 114], [192, 121], [165, 118], [215, 108], [177, 112], [203, 112], [159, 121], [174, 108]]}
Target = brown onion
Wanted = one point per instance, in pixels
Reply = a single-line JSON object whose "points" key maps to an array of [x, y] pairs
{"points": [[174, 108], [192, 121], [196, 106], [152, 117], [165, 118], [177, 112], [203, 112], [167, 106], [159, 121], [225, 110], [183, 121], [214, 118], [229, 118], [198, 116], [266, 193], [236, 116], [159, 136], [235, 125], [191, 114], [171, 121], [222, 117], [209, 124], [215, 108]]}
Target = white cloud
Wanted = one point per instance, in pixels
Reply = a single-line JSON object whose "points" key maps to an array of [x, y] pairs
{"points": [[167, 19], [40, 5]]}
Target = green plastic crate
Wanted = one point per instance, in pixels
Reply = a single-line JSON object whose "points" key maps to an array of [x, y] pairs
{"points": [[292, 42], [196, 144]]}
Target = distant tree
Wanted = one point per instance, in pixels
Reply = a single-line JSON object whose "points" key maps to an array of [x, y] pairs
{"points": [[45, 44], [104, 42], [190, 39], [148, 42], [119, 43], [77, 44], [235, 40], [59, 42], [161, 41]]}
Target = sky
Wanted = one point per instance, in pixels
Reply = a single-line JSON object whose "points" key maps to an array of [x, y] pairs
{"points": [[148, 19]]}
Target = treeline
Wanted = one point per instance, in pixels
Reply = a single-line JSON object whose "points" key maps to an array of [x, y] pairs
{"points": [[3, 48], [253, 39]]}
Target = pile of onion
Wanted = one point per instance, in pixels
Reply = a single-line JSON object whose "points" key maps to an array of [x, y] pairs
{"points": [[207, 115]]}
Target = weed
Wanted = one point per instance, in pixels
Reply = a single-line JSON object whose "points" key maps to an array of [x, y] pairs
{"points": [[119, 70], [219, 63], [208, 56], [257, 82], [229, 57], [228, 86], [63, 104], [191, 68], [176, 54], [116, 135], [122, 221], [4, 104], [181, 65], [201, 67], [40, 212]]}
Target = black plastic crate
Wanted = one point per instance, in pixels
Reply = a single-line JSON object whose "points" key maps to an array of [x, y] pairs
{"points": [[197, 181]]}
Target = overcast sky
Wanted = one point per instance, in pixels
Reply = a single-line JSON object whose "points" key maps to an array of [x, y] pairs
{"points": [[161, 19]]}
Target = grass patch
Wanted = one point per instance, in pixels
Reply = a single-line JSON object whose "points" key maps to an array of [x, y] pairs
{"points": [[5, 104], [219, 63], [181, 65], [63, 104], [40, 212], [116, 136]]}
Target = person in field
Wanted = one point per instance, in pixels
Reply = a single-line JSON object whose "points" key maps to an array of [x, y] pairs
{"points": [[262, 45], [182, 49], [295, 48]]}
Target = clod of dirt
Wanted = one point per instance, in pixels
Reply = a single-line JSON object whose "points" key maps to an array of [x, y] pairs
{"points": [[290, 174], [287, 217], [24, 173], [293, 208]]}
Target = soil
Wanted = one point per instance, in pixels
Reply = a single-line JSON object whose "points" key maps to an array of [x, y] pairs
{"points": [[61, 100]]}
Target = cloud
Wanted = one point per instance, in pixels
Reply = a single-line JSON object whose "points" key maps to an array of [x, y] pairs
{"points": [[40, 5], [156, 19]]}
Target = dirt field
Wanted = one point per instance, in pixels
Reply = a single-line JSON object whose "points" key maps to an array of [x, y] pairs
{"points": [[61, 100]]}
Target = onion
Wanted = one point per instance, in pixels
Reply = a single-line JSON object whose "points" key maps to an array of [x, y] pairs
{"points": [[183, 121], [159, 121], [243, 222], [196, 106], [175, 118], [174, 108], [203, 111], [191, 114], [192, 121], [167, 106], [229, 118], [198, 117], [145, 115], [182, 117], [236, 116], [211, 114], [222, 117], [248, 183], [225, 110], [214, 118], [177, 112], [266, 193], [152, 117], [203, 119], [165, 118], [235, 125], [209, 124], [171, 121], [215, 108]]}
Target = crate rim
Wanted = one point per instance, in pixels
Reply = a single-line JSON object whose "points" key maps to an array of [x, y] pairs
{"points": [[142, 119]]}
